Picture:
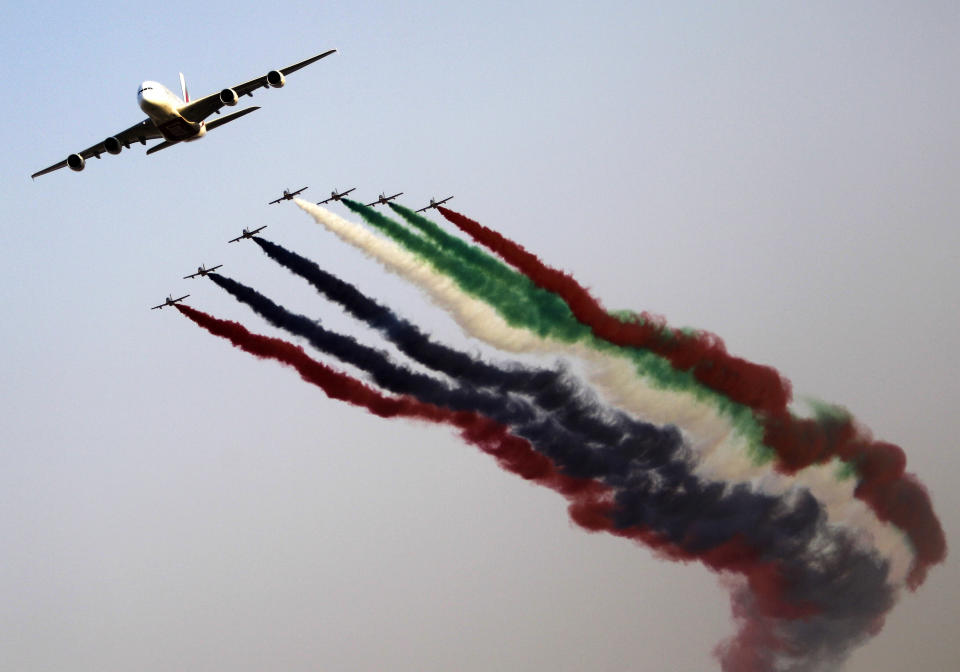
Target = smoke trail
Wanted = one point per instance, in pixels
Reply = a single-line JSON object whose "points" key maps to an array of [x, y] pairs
{"points": [[760, 387], [881, 485], [553, 390], [723, 452], [546, 315], [768, 540], [656, 402], [578, 454], [512, 453], [798, 442]]}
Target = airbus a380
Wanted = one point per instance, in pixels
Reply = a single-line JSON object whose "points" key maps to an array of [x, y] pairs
{"points": [[178, 120]]}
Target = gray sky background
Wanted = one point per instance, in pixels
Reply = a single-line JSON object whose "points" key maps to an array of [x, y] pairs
{"points": [[782, 174]]}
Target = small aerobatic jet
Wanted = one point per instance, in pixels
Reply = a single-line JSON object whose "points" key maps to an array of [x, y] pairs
{"points": [[178, 120], [202, 270], [169, 301], [288, 195], [247, 234], [383, 199], [434, 204], [334, 196]]}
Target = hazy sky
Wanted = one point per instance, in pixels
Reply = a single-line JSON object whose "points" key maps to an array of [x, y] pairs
{"points": [[782, 174]]}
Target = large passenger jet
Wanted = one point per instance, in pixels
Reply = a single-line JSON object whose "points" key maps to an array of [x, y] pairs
{"points": [[178, 119]]}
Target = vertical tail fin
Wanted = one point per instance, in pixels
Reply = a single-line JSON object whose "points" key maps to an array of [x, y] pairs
{"points": [[183, 89]]}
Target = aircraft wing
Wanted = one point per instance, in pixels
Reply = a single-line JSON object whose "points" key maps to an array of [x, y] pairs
{"points": [[276, 201], [200, 109], [235, 239], [299, 191], [160, 306], [192, 275], [258, 230], [336, 197], [140, 132], [424, 209]]}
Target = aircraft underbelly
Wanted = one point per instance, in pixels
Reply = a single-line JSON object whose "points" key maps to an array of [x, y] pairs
{"points": [[171, 124], [178, 128]]}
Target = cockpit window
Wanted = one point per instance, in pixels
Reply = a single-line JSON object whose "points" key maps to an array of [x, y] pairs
{"points": [[146, 88]]}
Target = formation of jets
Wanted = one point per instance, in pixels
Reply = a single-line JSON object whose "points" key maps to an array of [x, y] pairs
{"points": [[383, 199], [202, 271], [434, 204], [177, 119], [334, 196], [169, 301], [288, 195], [247, 233]]}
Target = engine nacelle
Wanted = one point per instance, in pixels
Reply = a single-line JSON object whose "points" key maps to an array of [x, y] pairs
{"points": [[112, 145], [229, 97], [276, 79], [76, 162]]}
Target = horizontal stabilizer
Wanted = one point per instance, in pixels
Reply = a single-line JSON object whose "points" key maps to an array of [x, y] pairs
{"points": [[230, 117]]}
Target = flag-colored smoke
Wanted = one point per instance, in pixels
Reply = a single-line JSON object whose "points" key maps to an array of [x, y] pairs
{"points": [[768, 541], [694, 454], [798, 442], [722, 437]]}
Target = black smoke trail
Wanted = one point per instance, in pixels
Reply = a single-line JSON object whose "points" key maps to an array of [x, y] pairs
{"points": [[552, 390]]}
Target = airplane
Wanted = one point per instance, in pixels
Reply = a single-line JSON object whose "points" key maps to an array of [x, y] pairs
{"points": [[202, 270], [334, 196], [178, 120], [435, 204], [169, 301], [383, 199], [288, 195], [247, 234]]}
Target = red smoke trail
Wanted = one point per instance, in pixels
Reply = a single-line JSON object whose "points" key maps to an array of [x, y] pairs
{"points": [[702, 353], [591, 502], [511, 452], [799, 442]]}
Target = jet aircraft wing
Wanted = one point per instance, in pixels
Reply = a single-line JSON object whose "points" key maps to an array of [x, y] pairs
{"points": [[336, 196], [140, 132], [200, 109], [169, 302]]}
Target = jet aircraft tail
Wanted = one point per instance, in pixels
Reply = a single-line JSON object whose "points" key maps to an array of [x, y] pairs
{"points": [[183, 89]]}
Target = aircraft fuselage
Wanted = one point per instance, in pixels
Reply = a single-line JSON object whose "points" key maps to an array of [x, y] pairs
{"points": [[163, 107]]}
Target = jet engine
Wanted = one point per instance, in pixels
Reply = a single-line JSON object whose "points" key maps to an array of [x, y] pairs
{"points": [[112, 145], [229, 97], [76, 162], [276, 79]]}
